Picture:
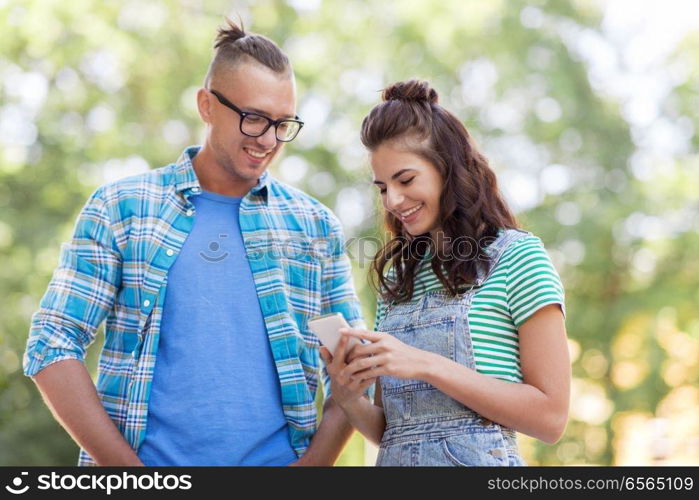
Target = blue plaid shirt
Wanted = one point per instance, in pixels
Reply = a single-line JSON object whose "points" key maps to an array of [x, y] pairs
{"points": [[115, 268]]}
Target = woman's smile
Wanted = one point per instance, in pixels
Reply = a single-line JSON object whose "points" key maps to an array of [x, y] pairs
{"points": [[411, 214]]}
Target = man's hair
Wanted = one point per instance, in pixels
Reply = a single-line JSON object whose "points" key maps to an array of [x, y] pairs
{"points": [[233, 46]]}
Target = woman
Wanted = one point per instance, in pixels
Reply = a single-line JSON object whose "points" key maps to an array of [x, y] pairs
{"points": [[472, 345]]}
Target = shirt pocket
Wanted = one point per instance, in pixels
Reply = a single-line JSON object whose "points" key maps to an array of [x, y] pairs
{"points": [[301, 281]]}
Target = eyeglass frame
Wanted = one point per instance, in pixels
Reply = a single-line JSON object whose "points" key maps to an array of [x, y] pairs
{"points": [[270, 122]]}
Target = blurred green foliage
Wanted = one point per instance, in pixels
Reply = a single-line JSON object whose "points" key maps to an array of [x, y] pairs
{"points": [[92, 91]]}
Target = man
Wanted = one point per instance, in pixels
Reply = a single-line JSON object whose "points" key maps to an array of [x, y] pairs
{"points": [[207, 271]]}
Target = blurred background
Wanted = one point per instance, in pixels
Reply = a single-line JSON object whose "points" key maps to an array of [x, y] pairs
{"points": [[586, 109]]}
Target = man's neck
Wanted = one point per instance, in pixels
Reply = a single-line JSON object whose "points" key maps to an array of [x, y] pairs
{"points": [[215, 179]]}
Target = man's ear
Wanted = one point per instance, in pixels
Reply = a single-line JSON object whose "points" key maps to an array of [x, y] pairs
{"points": [[204, 104]]}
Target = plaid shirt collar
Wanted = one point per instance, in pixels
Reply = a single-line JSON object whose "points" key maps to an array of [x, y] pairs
{"points": [[186, 180]]}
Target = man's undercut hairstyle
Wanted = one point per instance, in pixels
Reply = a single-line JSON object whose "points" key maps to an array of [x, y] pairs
{"points": [[233, 46]]}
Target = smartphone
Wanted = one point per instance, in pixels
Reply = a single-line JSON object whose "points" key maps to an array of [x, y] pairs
{"points": [[327, 329]]}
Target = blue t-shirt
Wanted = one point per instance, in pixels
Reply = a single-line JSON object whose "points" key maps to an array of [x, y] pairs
{"points": [[216, 398]]}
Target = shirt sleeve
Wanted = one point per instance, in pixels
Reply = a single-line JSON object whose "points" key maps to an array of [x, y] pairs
{"points": [[380, 313], [337, 286], [80, 294], [381, 305], [532, 280]]}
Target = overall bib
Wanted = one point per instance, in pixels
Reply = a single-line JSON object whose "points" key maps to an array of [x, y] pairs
{"points": [[424, 426]]}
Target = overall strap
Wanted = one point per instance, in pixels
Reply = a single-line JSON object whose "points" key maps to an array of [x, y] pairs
{"points": [[495, 251]]}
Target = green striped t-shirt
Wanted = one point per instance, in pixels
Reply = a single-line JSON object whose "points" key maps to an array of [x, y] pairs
{"points": [[523, 281]]}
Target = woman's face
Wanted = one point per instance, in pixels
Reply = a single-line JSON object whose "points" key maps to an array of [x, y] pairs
{"points": [[410, 187]]}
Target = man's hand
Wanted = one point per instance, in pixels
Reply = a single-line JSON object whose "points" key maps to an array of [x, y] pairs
{"points": [[72, 398]]}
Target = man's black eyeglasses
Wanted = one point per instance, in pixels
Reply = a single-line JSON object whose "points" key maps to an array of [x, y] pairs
{"points": [[255, 125]]}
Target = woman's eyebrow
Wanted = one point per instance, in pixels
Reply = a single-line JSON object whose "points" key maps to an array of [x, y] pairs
{"points": [[395, 175]]}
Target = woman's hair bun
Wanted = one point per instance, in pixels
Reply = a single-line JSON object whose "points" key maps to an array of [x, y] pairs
{"points": [[411, 91]]}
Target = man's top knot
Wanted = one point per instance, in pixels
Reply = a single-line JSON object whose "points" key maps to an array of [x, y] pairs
{"points": [[229, 34], [233, 45]]}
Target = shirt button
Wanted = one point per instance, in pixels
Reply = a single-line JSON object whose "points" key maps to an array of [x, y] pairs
{"points": [[190, 212], [195, 190], [170, 252], [146, 303]]}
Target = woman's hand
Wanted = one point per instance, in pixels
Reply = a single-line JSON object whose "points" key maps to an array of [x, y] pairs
{"points": [[345, 390], [384, 355]]}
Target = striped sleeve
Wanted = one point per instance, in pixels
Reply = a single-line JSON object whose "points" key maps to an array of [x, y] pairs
{"points": [[381, 303], [380, 313], [532, 280]]}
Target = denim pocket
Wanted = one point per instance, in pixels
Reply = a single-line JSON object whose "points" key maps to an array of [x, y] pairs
{"points": [[394, 455], [515, 460], [476, 449], [435, 336], [397, 404]]}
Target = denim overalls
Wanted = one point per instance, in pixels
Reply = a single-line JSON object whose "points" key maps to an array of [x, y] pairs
{"points": [[425, 427]]}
